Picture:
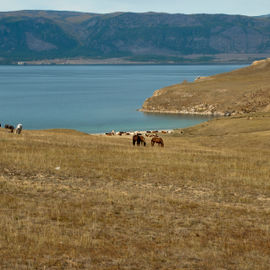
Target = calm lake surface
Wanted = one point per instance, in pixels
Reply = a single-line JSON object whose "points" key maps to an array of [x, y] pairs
{"points": [[93, 98]]}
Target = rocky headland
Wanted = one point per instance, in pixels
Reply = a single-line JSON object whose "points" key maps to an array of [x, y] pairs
{"points": [[241, 91]]}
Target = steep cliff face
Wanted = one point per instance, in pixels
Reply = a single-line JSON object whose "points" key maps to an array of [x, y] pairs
{"points": [[240, 91], [143, 36]]}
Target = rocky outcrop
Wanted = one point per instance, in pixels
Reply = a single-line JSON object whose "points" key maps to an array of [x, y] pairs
{"points": [[200, 109], [261, 62]]}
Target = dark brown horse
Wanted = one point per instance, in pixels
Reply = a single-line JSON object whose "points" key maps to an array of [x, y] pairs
{"points": [[10, 127], [139, 139], [157, 140]]}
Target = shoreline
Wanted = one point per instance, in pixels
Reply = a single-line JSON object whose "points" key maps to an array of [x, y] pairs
{"points": [[188, 59], [214, 114], [130, 133]]}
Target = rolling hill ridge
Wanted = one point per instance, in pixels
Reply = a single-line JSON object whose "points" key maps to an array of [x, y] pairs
{"points": [[156, 37]]}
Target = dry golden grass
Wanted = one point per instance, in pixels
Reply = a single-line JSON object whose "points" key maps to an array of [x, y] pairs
{"points": [[202, 202]]}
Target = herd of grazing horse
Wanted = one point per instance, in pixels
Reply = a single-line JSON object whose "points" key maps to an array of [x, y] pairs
{"points": [[139, 139], [18, 129], [136, 139]]}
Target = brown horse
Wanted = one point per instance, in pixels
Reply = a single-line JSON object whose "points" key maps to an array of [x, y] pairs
{"points": [[157, 140], [139, 139]]}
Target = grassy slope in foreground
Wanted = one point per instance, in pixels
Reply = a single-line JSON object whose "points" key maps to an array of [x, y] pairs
{"points": [[75, 201], [240, 91]]}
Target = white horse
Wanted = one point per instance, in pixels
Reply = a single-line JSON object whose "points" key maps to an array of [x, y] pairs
{"points": [[18, 129]]}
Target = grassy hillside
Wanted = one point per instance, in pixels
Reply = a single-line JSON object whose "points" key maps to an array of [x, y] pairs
{"points": [[241, 91], [75, 201]]}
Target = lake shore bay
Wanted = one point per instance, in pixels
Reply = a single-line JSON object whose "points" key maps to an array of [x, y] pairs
{"points": [[93, 99]]}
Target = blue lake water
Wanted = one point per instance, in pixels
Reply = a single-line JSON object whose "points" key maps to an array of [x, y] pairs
{"points": [[93, 98]]}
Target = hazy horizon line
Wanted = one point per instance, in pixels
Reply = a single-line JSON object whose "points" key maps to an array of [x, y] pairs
{"points": [[142, 12]]}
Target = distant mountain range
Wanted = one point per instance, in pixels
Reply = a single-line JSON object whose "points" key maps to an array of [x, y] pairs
{"points": [[135, 37]]}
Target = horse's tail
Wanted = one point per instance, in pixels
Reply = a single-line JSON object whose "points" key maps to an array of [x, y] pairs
{"points": [[134, 139]]}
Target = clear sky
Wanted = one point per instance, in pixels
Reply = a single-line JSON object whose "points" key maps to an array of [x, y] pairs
{"points": [[244, 7]]}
